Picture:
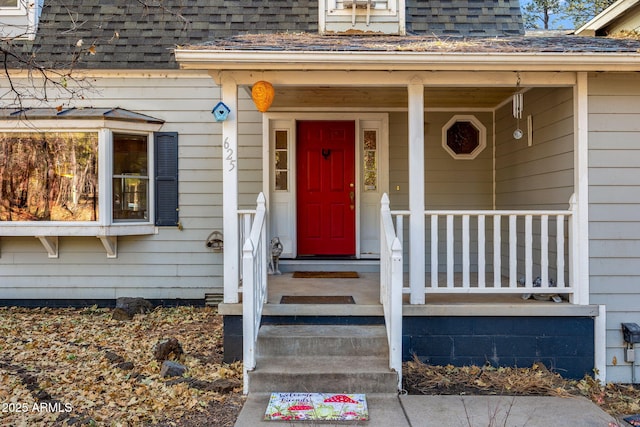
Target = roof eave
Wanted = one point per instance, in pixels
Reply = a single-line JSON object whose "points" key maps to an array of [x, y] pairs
{"points": [[405, 61], [605, 17]]}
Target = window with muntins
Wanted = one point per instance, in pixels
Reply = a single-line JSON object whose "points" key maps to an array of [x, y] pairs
{"points": [[281, 169], [11, 4], [130, 177], [61, 176]]}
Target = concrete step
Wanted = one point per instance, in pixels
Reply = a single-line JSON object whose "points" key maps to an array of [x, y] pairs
{"points": [[323, 374], [322, 340], [322, 359], [359, 265]]}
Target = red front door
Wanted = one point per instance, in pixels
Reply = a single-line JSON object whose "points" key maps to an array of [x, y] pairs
{"points": [[326, 188]]}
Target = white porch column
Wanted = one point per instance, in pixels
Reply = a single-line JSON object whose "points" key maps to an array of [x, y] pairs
{"points": [[416, 192], [229, 155], [580, 253]]}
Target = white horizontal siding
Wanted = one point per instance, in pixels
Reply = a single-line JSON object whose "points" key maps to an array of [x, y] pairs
{"points": [[614, 206], [540, 175], [171, 264]]}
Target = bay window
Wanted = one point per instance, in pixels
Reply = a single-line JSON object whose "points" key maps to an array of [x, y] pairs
{"points": [[102, 178]]}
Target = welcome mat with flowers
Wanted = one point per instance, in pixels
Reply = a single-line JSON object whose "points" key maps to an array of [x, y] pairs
{"points": [[317, 407]]}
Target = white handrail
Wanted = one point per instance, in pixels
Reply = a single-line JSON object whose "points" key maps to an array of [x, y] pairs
{"points": [[391, 286], [254, 285]]}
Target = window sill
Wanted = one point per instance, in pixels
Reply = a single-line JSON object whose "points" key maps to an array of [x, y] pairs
{"points": [[48, 233]]}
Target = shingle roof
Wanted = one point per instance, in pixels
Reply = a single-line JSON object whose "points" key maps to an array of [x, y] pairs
{"points": [[559, 43], [469, 18], [128, 35]]}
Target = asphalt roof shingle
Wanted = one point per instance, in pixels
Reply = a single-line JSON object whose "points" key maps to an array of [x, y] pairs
{"points": [[128, 35]]}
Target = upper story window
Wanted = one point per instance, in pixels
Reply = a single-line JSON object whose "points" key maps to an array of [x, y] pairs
{"points": [[362, 16], [9, 4], [19, 19]]}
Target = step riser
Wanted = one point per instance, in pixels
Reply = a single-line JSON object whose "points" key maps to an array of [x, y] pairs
{"points": [[368, 266], [322, 383], [322, 358], [322, 346]]}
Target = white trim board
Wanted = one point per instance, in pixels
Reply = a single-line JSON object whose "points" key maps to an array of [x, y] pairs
{"points": [[285, 203]]}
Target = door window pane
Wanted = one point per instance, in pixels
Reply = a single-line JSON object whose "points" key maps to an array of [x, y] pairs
{"points": [[370, 153], [281, 179]]}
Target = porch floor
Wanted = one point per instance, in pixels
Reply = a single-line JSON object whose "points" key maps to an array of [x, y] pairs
{"points": [[365, 291]]}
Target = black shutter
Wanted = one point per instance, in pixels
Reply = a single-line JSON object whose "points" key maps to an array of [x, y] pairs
{"points": [[166, 162]]}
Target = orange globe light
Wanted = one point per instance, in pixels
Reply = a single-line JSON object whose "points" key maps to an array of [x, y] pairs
{"points": [[262, 94]]}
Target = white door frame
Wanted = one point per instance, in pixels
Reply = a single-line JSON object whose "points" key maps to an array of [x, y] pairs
{"points": [[291, 119]]}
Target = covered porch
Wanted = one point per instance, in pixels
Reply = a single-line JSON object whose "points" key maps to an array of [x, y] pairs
{"points": [[504, 218], [475, 201]]}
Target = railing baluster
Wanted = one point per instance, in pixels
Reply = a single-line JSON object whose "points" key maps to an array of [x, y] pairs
{"points": [[497, 255], [513, 252], [466, 283], [544, 250], [481, 254], [528, 249], [434, 251], [560, 251], [450, 258], [515, 261]]}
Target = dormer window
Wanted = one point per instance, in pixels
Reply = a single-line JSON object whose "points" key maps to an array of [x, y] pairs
{"points": [[362, 16], [9, 3], [19, 19], [12, 7]]}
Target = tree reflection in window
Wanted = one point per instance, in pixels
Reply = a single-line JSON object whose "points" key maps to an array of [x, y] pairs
{"points": [[370, 160], [282, 160], [50, 176], [130, 177]]}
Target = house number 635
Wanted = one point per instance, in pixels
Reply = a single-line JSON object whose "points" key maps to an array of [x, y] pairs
{"points": [[229, 154]]}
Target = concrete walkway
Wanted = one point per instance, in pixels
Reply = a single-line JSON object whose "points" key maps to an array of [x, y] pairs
{"points": [[388, 410]]}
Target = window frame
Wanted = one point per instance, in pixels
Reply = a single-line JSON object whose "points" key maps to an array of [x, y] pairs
{"points": [[19, 9], [148, 177], [105, 225], [482, 136]]}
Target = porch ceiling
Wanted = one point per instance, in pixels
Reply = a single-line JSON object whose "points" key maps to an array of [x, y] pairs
{"points": [[388, 97]]}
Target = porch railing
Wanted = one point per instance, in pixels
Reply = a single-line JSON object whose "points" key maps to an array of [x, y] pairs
{"points": [[497, 251], [254, 284], [391, 287]]}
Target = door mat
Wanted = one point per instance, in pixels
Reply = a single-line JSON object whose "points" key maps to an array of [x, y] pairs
{"points": [[317, 299], [317, 406], [325, 275]]}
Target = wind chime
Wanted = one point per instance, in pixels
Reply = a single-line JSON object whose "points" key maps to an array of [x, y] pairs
{"points": [[518, 106]]}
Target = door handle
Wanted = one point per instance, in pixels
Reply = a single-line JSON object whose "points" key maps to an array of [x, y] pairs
{"points": [[352, 196]]}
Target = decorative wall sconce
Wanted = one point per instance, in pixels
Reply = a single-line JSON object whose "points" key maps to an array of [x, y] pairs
{"points": [[221, 111], [215, 241], [262, 94]]}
